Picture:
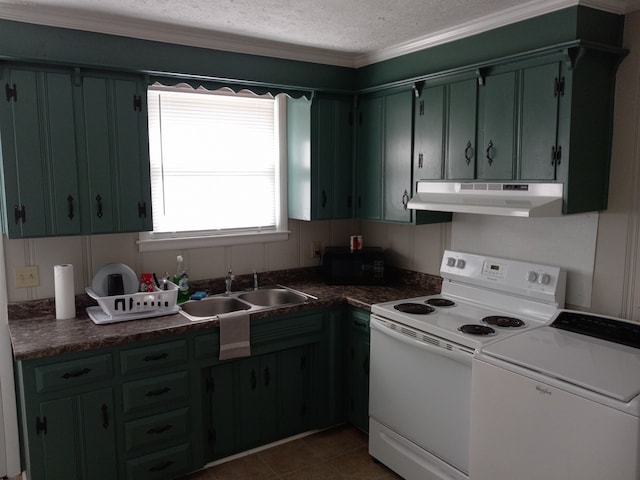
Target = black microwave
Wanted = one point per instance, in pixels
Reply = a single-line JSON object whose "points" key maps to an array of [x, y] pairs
{"points": [[340, 266]]}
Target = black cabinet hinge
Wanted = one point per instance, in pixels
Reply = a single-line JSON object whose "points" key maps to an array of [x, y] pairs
{"points": [[11, 92], [421, 107], [558, 89], [556, 155], [41, 425], [20, 214], [137, 103], [142, 210]]}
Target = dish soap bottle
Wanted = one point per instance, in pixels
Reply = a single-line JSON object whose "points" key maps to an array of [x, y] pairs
{"points": [[181, 279]]}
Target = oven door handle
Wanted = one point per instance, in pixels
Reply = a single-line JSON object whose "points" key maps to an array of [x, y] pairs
{"points": [[458, 356]]}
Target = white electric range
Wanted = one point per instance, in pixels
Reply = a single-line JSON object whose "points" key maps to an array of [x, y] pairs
{"points": [[421, 357]]}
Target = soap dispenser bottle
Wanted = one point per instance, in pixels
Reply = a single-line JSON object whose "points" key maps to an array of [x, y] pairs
{"points": [[181, 279]]}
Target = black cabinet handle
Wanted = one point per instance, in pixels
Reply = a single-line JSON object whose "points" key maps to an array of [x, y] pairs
{"points": [[267, 377], [159, 430], [160, 391], [405, 199], [154, 358], [19, 213], [70, 206], [324, 199], [490, 152], [468, 152], [420, 160], [159, 468], [41, 425], [99, 206], [142, 210], [105, 416], [254, 380], [77, 373]]}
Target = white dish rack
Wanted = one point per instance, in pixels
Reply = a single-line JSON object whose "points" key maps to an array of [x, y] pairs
{"points": [[119, 308]]}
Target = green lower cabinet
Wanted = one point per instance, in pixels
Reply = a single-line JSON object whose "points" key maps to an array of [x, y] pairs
{"points": [[161, 465], [357, 358]]}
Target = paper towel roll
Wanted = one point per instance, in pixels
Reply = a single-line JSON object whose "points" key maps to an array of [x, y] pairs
{"points": [[65, 291]]}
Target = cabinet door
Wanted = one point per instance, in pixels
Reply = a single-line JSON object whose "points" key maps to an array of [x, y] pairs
{"points": [[496, 129], [429, 135], [78, 438], [358, 370], [369, 159], [538, 134], [332, 157], [39, 155], [258, 396], [461, 141], [116, 155], [222, 401], [398, 108], [294, 367]]}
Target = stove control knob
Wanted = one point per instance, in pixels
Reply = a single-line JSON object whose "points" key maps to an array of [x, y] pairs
{"points": [[532, 276], [544, 279], [460, 263], [451, 262]]}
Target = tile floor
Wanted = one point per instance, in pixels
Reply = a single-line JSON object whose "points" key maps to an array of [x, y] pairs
{"points": [[336, 454]]}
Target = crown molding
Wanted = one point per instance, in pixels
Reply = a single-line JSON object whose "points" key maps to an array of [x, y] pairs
{"points": [[195, 37]]}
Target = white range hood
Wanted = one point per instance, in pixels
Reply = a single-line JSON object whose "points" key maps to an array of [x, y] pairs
{"points": [[514, 199]]}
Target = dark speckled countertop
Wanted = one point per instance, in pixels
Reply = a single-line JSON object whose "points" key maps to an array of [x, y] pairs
{"points": [[36, 333]]}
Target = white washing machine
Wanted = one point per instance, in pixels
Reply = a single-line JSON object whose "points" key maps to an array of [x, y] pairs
{"points": [[560, 402]]}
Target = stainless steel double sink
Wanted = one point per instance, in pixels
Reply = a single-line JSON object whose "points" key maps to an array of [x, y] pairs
{"points": [[252, 300]]}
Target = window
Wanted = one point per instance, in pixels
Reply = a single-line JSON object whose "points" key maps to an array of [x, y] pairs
{"points": [[217, 176]]}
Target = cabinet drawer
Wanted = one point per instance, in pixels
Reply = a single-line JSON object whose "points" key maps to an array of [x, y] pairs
{"points": [[156, 430], [73, 373], [157, 391], [207, 346], [168, 463], [143, 359]]}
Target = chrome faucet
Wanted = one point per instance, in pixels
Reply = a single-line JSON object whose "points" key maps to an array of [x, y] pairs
{"points": [[255, 280], [227, 282]]}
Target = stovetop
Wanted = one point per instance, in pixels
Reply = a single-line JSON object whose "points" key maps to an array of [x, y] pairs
{"points": [[511, 292]]}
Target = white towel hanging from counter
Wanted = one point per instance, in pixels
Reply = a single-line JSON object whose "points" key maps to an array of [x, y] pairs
{"points": [[234, 335]]}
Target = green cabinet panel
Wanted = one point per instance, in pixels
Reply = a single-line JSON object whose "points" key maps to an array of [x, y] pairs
{"points": [[115, 154], [319, 139], [161, 465], [398, 108], [77, 438], [357, 395], [294, 404], [369, 158], [461, 149], [497, 127], [257, 382], [39, 159], [155, 392], [429, 131], [157, 356], [157, 429], [73, 373], [539, 117], [220, 411]]}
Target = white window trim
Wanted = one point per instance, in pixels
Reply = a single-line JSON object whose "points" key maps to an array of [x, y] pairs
{"points": [[148, 243]]}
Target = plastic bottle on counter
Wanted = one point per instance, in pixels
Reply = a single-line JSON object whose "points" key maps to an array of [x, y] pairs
{"points": [[181, 279]]}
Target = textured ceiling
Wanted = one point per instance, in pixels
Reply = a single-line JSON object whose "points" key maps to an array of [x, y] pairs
{"points": [[347, 27]]}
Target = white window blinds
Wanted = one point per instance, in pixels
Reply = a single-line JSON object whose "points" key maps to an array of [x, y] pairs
{"points": [[214, 161]]}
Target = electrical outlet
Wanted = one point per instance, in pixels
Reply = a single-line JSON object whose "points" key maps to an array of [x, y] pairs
{"points": [[26, 276], [316, 248]]}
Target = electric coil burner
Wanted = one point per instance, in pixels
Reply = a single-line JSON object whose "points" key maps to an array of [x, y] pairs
{"points": [[503, 321], [440, 302], [473, 329], [414, 308]]}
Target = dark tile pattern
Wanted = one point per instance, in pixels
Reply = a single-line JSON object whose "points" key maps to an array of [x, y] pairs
{"points": [[35, 332], [340, 453]]}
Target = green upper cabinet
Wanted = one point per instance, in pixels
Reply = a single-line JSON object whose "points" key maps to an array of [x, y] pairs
{"points": [[39, 160], [115, 154], [495, 158], [429, 131], [75, 157], [320, 152], [369, 158], [461, 130]]}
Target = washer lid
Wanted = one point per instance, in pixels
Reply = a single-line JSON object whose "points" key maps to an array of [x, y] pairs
{"points": [[601, 366]]}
